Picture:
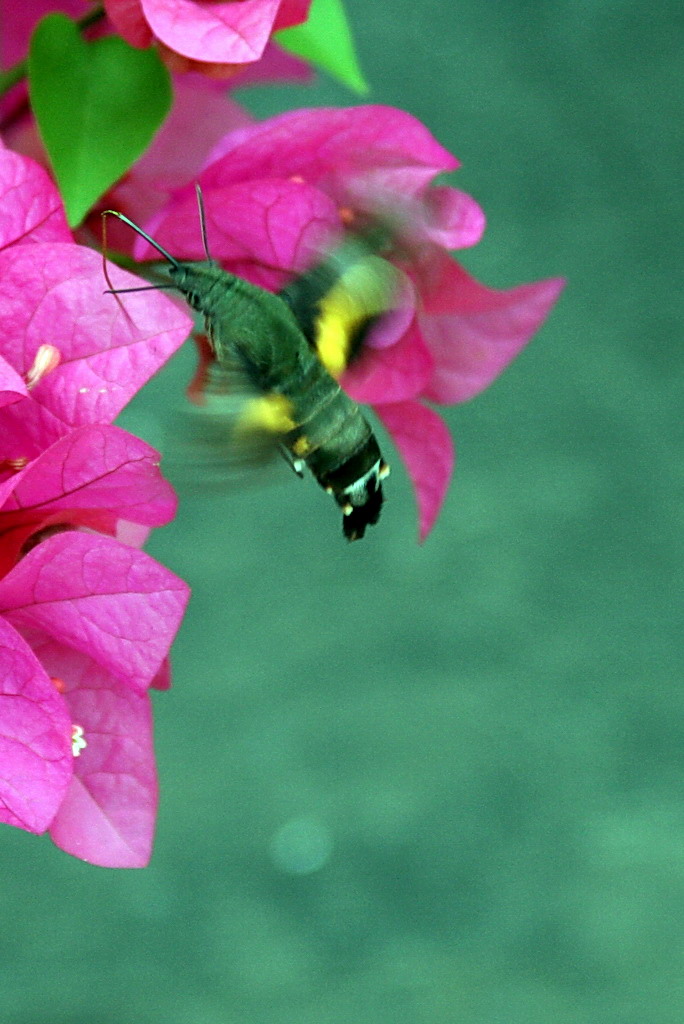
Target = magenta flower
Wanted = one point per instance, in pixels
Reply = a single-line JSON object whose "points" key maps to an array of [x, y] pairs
{"points": [[52, 295], [200, 104], [86, 619], [107, 811], [205, 35], [137, 22], [274, 189], [202, 113]]}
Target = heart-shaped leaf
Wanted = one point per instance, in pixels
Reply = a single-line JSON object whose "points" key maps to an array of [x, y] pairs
{"points": [[97, 105], [325, 39]]}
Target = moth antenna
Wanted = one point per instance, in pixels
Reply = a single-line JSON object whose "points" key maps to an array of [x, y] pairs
{"points": [[142, 288], [105, 270], [203, 220], [143, 234]]}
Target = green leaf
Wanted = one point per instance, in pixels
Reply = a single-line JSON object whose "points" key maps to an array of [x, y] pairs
{"points": [[97, 106], [325, 39]]}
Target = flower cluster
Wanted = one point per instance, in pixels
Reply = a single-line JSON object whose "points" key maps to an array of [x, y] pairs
{"points": [[217, 38], [272, 191], [86, 618]]}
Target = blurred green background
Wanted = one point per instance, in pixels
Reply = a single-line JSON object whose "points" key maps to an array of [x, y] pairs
{"points": [[407, 785]]}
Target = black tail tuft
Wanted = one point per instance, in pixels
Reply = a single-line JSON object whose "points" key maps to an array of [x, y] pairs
{"points": [[355, 522]]}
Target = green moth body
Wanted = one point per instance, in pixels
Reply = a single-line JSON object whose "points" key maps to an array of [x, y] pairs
{"points": [[255, 332], [283, 345]]}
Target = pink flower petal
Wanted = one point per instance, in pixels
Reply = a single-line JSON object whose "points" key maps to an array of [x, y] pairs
{"points": [[7, 486], [329, 144], [201, 115], [424, 443], [12, 386], [92, 477], [35, 738], [129, 21], [217, 33], [108, 814], [109, 601], [292, 12], [390, 374], [474, 332], [98, 467], [275, 224], [132, 534], [109, 345], [162, 680], [274, 66], [30, 207], [19, 20], [457, 221]]}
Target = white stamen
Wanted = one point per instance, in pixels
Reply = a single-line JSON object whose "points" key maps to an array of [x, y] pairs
{"points": [[78, 740], [46, 359], [15, 465]]}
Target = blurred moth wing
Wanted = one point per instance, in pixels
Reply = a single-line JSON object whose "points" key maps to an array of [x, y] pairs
{"points": [[228, 434], [339, 300]]}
